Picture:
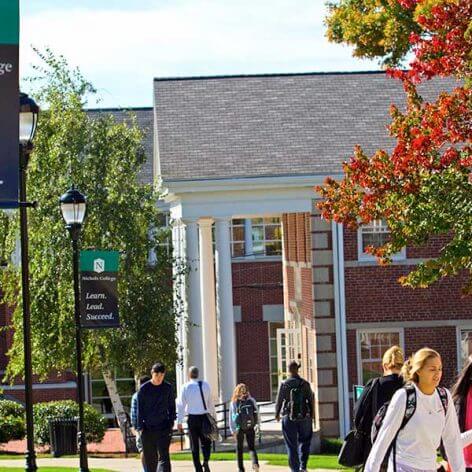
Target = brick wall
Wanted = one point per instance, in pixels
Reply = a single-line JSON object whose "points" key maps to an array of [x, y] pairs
{"points": [[255, 284]]}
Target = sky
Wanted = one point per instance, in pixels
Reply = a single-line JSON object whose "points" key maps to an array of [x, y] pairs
{"points": [[121, 45]]}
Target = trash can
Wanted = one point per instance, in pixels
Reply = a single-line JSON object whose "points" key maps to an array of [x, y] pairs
{"points": [[63, 434]]}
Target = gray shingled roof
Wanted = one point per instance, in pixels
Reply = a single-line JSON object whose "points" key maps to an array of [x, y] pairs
{"points": [[144, 118], [269, 125]]}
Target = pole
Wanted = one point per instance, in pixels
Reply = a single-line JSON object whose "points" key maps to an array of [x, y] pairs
{"points": [[74, 230], [30, 455]]}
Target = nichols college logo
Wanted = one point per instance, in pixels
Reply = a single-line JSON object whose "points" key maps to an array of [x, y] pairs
{"points": [[98, 265], [5, 68]]}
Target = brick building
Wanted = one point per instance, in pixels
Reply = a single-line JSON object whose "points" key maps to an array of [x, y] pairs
{"points": [[270, 281]]}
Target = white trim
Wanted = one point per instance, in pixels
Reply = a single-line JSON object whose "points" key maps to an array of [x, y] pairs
{"points": [[395, 262], [340, 323], [364, 257], [461, 327], [399, 330], [48, 386], [209, 185], [407, 324]]}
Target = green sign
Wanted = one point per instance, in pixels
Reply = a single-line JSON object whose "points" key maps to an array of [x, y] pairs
{"points": [[99, 289], [9, 103], [357, 392]]}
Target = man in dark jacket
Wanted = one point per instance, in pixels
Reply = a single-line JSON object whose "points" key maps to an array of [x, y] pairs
{"points": [[295, 403], [155, 419]]}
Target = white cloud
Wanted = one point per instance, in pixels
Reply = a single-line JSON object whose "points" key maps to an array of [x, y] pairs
{"points": [[121, 51]]}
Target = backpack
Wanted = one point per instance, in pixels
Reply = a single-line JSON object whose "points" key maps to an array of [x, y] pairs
{"points": [[297, 406], [245, 415], [409, 412]]}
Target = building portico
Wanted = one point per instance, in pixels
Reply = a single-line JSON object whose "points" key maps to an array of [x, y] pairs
{"points": [[201, 220]]}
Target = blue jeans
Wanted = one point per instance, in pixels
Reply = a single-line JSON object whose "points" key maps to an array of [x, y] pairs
{"points": [[297, 436]]}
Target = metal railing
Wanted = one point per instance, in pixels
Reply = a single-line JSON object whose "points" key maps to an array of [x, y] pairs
{"points": [[222, 412]]}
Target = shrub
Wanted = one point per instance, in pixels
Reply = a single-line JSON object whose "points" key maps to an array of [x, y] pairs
{"points": [[95, 423], [12, 421], [331, 445]]}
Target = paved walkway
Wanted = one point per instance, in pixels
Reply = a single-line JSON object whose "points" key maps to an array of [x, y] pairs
{"points": [[133, 465]]}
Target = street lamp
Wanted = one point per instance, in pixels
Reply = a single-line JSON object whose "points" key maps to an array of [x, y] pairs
{"points": [[29, 112], [73, 205]]}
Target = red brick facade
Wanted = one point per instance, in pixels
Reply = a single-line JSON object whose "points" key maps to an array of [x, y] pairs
{"points": [[255, 284]]}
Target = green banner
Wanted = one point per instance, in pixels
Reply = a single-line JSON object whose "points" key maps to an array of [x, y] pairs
{"points": [[9, 21], [104, 261], [99, 289]]}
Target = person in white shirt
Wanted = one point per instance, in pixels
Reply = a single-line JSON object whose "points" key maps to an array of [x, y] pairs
{"points": [[195, 401], [416, 443]]}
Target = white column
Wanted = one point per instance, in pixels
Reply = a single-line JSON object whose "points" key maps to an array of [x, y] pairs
{"points": [[224, 291], [248, 246], [194, 306], [180, 302], [208, 304]]}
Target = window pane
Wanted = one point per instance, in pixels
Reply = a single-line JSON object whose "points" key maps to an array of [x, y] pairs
{"points": [[466, 345], [238, 221], [258, 247], [274, 248], [125, 387], [274, 220], [373, 239], [272, 232], [99, 389], [238, 249], [256, 221], [373, 345], [238, 233], [257, 233]]}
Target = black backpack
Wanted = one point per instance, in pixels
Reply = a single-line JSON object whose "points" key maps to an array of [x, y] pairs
{"points": [[298, 408], [245, 415]]}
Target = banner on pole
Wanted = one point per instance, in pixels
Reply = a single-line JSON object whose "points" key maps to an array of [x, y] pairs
{"points": [[99, 289], [9, 103]]}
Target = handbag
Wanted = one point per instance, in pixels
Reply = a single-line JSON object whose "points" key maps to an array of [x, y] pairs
{"points": [[209, 424], [352, 453]]}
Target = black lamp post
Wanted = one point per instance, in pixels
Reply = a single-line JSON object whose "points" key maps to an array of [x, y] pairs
{"points": [[28, 119], [73, 205]]}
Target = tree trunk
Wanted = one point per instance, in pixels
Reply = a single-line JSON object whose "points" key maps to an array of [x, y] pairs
{"points": [[120, 414]]}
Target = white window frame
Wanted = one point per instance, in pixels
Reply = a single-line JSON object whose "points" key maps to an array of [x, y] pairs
{"points": [[466, 327], [399, 330], [237, 241], [364, 257], [259, 255]]}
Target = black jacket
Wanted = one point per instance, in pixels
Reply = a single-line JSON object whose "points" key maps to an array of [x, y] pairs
{"points": [[283, 398], [156, 407], [365, 410]]}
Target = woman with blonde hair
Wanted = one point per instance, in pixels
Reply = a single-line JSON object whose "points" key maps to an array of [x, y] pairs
{"points": [[418, 418], [244, 420]]}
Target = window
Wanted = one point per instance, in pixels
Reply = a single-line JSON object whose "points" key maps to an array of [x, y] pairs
{"points": [[371, 345], [163, 235], [374, 234], [101, 400], [464, 346], [238, 244], [266, 236]]}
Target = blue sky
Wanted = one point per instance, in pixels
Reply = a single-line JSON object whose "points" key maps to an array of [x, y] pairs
{"points": [[121, 45]]}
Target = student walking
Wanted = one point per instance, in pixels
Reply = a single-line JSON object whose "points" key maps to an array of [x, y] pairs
{"points": [[462, 397], [244, 420], [376, 393], [419, 416], [155, 419], [134, 419], [295, 403], [195, 400]]}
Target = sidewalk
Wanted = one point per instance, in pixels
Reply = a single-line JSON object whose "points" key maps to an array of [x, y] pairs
{"points": [[133, 465]]}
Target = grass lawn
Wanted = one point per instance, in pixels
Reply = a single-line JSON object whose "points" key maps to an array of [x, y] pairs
{"points": [[325, 461]]}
